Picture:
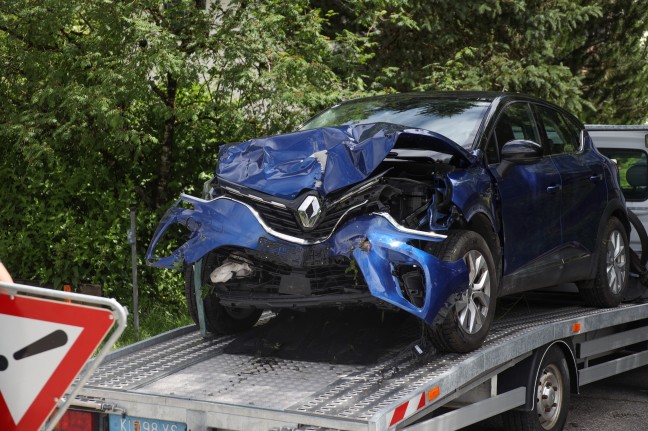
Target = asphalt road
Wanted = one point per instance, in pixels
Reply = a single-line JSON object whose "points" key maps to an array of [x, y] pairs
{"points": [[619, 403]]}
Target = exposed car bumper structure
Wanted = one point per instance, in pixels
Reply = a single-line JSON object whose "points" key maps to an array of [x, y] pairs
{"points": [[260, 267]]}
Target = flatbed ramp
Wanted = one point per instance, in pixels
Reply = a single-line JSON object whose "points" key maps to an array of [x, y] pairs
{"points": [[180, 376]]}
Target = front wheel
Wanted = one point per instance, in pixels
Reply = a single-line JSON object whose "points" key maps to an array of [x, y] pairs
{"points": [[463, 322], [608, 286], [218, 319], [551, 395]]}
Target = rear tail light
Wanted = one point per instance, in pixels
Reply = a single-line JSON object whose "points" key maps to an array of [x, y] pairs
{"points": [[74, 420]]}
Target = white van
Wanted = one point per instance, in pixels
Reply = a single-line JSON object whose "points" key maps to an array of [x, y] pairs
{"points": [[628, 146]]}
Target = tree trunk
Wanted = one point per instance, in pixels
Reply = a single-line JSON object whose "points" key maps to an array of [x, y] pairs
{"points": [[166, 151]]}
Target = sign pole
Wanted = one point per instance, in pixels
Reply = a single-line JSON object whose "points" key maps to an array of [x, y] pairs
{"points": [[132, 240]]}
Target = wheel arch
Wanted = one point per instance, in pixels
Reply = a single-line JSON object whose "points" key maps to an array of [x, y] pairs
{"points": [[481, 223], [527, 371]]}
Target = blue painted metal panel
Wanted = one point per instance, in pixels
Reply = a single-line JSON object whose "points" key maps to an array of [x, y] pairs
{"points": [[325, 159]]}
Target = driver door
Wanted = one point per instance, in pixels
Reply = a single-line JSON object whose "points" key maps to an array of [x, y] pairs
{"points": [[530, 206]]}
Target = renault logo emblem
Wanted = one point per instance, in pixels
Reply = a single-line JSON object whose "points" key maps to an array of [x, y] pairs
{"points": [[309, 211]]}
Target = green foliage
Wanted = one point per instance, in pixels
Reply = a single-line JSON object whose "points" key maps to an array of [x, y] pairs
{"points": [[119, 104], [155, 318], [588, 56], [610, 55]]}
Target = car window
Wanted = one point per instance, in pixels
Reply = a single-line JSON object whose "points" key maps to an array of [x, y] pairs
{"points": [[514, 122], [563, 137], [457, 119], [633, 172]]}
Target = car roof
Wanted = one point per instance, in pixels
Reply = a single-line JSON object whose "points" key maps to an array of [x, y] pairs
{"points": [[487, 96]]}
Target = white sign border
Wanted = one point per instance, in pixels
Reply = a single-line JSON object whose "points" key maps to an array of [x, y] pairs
{"points": [[119, 313]]}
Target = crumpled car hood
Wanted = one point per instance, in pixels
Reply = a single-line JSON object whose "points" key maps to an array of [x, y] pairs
{"points": [[325, 159]]}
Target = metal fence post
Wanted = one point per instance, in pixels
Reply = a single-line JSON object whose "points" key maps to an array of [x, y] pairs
{"points": [[132, 240]]}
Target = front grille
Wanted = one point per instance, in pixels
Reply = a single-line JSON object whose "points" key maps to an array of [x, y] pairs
{"points": [[338, 277], [280, 219], [284, 220], [335, 278]]}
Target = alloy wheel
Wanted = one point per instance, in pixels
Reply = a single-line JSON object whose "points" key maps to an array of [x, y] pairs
{"points": [[616, 262], [472, 307]]}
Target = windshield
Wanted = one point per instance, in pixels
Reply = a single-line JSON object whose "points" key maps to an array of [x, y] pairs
{"points": [[457, 119]]}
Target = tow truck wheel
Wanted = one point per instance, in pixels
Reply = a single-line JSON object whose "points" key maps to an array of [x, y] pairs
{"points": [[551, 396], [608, 287], [218, 319], [464, 321]]}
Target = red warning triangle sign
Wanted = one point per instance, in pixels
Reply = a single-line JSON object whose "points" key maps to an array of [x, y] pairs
{"points": [[44, 344]]}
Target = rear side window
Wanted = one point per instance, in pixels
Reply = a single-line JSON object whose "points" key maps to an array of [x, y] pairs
{"points": [[633, 172]]}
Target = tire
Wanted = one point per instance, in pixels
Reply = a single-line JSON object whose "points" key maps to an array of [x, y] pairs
{"points": [[551, 394], [643, 236], [612, 268], [463, 322], [219, 320], [638, 284]]}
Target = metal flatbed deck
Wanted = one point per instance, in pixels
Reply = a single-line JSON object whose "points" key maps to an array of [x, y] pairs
{"points": [[181, 376]]}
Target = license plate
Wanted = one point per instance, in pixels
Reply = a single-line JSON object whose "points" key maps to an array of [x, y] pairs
{"points": [[294, 255], [290, 254], [129, 423]]}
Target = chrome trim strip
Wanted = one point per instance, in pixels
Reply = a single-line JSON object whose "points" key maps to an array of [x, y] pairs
{"points": [[265, 227], [255, 198], [301, 241], [404, 229], [344, 215], [357, 191]]}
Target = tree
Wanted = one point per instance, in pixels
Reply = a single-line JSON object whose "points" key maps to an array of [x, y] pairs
{"points": [[589, 57], [113, 104], [611, 57]]}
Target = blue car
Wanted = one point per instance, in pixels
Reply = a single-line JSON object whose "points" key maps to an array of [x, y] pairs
{"points": [[432, 203]]}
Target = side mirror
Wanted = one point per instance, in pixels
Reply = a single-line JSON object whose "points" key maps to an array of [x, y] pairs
{"points": [[519, 152], [522, 151]]}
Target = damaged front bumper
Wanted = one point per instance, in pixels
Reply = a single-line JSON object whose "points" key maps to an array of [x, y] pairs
{"points": [[390, 257]]}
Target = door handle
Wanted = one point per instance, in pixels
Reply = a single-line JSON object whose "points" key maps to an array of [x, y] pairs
{"points": [[596, 178], [554, 189]]}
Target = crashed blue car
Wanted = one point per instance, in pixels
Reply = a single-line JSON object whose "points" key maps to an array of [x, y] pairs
{"points": [[432, 203]]}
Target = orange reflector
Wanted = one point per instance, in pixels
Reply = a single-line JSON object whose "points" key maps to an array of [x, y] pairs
{"points": [[433, 393], [576, 327], [74, 420], [67, 288]]}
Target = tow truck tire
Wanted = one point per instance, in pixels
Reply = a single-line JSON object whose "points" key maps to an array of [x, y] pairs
{"points": [[218, 319], [638, 281], [551, 397], [463, 322], [638, 226], [613, 268]]}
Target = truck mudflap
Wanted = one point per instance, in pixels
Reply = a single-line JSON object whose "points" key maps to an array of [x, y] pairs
{"points": [[384, 253]]}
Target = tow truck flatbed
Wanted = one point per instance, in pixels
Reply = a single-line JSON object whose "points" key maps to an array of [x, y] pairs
{"points": [[184, 378]]}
